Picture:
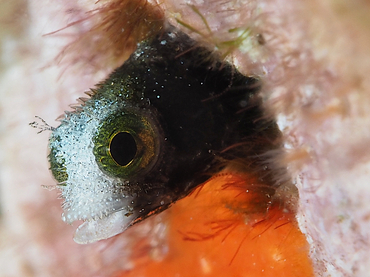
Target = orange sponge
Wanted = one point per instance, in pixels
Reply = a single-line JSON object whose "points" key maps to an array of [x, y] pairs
{"points": [[229, 226]]}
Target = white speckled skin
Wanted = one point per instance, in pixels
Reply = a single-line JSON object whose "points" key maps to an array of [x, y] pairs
{"points": [[88, 192]]}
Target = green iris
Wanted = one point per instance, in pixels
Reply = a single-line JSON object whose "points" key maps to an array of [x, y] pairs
{"points": [[126, 144]]}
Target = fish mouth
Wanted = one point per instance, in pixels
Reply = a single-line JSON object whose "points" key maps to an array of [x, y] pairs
{"points": [[113, 217], [96, 228], [113, 214], [103, 228]]}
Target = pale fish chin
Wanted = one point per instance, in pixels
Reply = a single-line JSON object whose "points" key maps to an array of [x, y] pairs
{"points": [[99, 229]]}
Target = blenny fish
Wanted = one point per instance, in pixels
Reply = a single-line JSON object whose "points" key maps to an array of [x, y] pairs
{"points": [[160, 125]]}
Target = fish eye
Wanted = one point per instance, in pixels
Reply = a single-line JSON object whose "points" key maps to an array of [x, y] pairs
{"points": [[126, 144]]}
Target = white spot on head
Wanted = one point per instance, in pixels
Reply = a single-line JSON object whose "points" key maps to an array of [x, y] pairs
{"points": [[90, 194]]}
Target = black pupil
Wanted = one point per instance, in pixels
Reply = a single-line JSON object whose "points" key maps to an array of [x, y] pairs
{"points": [[123, 148]]}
